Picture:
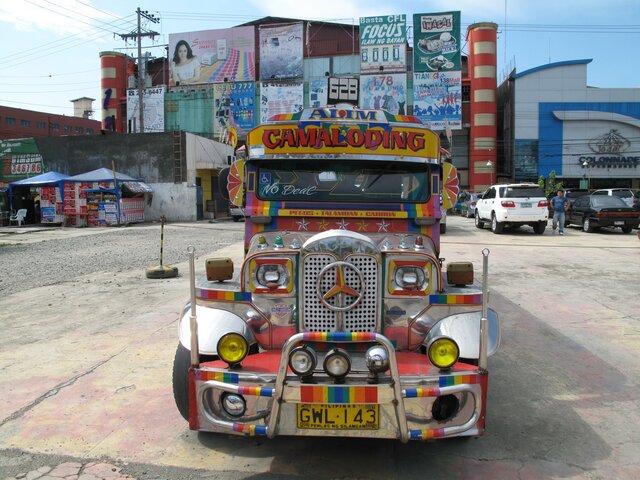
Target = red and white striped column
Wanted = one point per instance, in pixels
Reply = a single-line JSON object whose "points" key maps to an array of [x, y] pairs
{"points": [[115, 69]]}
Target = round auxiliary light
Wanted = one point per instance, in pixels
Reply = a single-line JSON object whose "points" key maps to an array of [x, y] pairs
{"points": [[443, 352], [232, 348], [337, 363], [233, 404], [302, 361], [377, 359]]}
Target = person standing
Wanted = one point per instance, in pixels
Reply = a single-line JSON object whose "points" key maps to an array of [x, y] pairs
{"points": [[560, 205]]}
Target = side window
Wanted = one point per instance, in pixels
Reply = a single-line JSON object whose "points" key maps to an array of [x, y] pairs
{"points": [[581, 202], [491, 193]]}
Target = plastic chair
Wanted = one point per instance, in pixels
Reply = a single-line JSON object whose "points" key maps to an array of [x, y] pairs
{"points": [[18, 217]]}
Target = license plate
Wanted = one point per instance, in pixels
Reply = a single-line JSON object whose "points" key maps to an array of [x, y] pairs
{"points": [[525, 205], [619, 222], [338, 416]]}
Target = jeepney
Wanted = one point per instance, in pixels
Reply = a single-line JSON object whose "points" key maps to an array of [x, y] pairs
{"points": [[343, 319]]}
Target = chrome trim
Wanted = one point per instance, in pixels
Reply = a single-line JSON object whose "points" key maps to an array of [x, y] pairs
{"points": [[193, 321]]}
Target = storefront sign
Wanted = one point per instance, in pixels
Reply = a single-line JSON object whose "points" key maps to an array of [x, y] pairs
{"points": [[20, 159]]}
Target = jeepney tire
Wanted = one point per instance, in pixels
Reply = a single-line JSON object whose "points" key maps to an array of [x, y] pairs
{"points": [[626, 229], [479, 223], [181, 364]]}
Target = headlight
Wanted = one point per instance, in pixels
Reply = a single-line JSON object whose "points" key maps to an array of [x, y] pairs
{"points": [[377, 359], [271, 275], [232, 348], [302, 361], [409, 277], [443, 352], [337, 364], [233, 404]]}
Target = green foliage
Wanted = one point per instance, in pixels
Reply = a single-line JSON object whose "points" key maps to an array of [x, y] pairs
{"points": [[550, 185]]}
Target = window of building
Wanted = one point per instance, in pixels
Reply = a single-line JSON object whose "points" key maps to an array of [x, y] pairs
{"points": [[10, 121], [89, 131], [466, 93], [55, 127], [25, 123], [79, 130], [41, 125], [67, 129]]}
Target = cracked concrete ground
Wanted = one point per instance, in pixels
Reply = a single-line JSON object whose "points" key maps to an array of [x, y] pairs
{"points": [[86, 376]]}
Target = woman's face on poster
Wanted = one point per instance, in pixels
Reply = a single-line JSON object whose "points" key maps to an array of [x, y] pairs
{"points": [[182, 53]]}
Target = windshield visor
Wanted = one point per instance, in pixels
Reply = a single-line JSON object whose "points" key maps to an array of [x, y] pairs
{"points": [[343, 181]]}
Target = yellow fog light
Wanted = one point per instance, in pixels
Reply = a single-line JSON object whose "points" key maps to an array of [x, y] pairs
{"points": [[443, 352], [232, 348]]}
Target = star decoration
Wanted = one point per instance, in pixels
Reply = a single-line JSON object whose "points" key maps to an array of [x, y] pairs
{"points": [[362, 226], [382, 226], [323, 225], [342, 224], [302, 224]]}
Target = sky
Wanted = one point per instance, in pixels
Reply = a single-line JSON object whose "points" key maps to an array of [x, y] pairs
{"points": [[50, 48]]}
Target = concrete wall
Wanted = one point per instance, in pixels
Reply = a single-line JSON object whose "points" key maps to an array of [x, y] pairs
{"points": [[177, 202]]}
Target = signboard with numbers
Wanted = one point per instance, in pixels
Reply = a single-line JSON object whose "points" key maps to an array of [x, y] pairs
{"points": [[20, 159], [383, 43], [343, 90]]}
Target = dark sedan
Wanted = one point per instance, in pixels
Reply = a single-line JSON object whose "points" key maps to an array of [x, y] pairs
{"points": [[594, 211]]}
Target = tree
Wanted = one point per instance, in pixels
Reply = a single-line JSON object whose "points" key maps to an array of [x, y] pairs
{"points": [[550, 185]]}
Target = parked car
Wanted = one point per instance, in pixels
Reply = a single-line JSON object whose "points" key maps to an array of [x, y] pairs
{"points": [[237, 213], [625, 194], [468, 207], [511, 206], [594, 211]]}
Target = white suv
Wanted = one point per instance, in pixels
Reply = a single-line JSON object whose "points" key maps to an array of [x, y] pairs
{"points": [[513, 205]]}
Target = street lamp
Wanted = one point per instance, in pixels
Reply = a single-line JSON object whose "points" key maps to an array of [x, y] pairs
{"points": [[490, 167], [586, 164]]}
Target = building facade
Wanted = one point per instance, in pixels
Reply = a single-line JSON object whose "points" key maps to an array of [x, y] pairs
{"points": [[20, 123], [554, 122]]}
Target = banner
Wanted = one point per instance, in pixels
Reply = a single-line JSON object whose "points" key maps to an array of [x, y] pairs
{"points": [[387, 92], [20, 159], [318, 89], [212, 56], [436, 42], [383, 44], [281, 52], [234, 106], [280, 98], [153, 100], [437, 99]]}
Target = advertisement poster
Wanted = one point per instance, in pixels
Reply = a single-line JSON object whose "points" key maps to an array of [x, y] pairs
{"points": [[280, 98], [436, 42], [388, 92], [20, 159], [437, 99], [153, 110], [281, 52], [212, 56], [318, 89], [234, 105], [383, 44]]}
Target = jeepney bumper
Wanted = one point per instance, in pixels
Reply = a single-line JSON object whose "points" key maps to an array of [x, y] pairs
{"points": [[412, 401]]}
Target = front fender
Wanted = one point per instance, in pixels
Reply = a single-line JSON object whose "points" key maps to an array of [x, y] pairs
{"points": [[213, 323], [464, 328]]}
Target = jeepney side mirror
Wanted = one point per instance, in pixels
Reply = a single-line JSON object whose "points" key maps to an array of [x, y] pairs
{"points": [[223, 179]]}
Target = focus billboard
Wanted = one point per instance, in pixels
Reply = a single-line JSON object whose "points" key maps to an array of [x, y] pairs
{"points": [[383, 44]]}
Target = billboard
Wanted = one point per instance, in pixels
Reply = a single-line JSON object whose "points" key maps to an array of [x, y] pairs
{"points": [[234, 106], [153, 100], [436, 42], [280, 98], [281, 52], [20, 159], [212, 56], [318, 90], [388, 92], [437, 99], [383, 44]]}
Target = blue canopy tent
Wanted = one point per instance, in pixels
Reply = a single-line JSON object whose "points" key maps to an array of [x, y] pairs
{"points": [[48, 179], [121, 182]]}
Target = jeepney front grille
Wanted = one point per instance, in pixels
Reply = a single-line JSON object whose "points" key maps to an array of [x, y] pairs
{"points": [[317, 318]]}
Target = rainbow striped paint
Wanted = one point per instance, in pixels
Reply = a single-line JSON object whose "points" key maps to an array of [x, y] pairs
{"points": [[256, 391], [473, 299], [251, 430], [206, 375], [339, 337], [426, 433], [338, 394], [451, 380], [223, 295], [421, 392]]}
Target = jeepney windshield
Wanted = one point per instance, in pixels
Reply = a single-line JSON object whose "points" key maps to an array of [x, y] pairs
{"points": [[333, 180]]}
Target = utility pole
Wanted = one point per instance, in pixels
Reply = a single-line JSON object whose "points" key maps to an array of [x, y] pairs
{"points": [[138, 36]]}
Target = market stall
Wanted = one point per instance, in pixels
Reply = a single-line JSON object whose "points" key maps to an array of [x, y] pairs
{"points": [[41, 196], [103, 197]]}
